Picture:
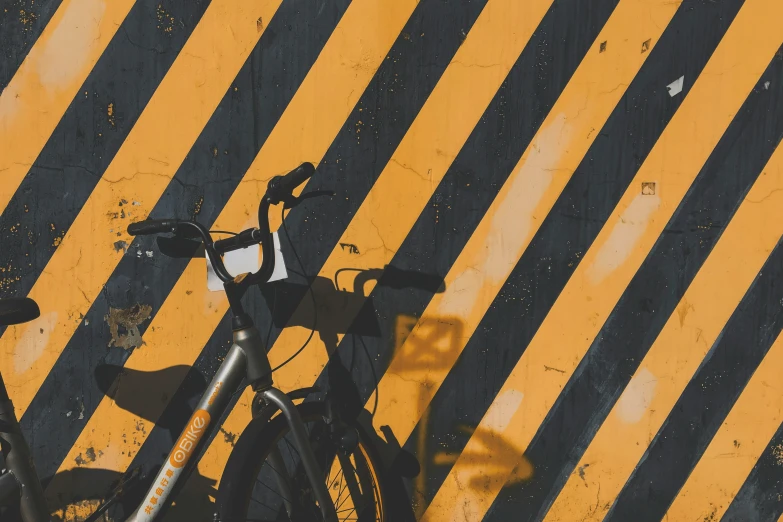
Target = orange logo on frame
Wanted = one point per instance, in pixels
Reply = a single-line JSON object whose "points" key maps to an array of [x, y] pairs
{"points": [[187, 442]]}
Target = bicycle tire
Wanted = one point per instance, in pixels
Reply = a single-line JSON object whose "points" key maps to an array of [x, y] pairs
{"points": [[250, 454]]}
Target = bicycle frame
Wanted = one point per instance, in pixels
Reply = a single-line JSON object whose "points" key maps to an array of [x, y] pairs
{"points": [[246, 359]]}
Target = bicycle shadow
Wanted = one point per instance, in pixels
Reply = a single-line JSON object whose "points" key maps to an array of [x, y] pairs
{"points": [[96, 485], [339, 312]]}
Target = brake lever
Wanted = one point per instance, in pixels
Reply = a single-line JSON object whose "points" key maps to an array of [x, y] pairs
{"points": [[292, 201], [186, 242]]}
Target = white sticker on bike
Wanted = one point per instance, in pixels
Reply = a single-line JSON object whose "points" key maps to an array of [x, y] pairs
{"points": [[246, 260]]}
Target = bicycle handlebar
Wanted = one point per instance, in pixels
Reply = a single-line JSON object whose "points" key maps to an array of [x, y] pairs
{"points": [[279, 189], [153, 226], [244, 239]]}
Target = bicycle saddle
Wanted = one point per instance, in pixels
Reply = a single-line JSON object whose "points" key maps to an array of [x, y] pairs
{"points": [[16, 310]]}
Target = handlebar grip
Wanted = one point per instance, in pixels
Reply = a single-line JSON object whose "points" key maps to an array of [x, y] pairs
{"points": [[153, 226], [244, 239], [282, 187], [298, 176]]}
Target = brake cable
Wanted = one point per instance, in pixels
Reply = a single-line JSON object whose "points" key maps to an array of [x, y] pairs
{"points": [[310, 289]]}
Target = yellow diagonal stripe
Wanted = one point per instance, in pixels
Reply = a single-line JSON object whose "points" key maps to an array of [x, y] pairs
{"points": [[677, 352], [315, 115], [139, 173], [421, 364], [600, 279], [48, 80], [390, 210], [751, 423]]}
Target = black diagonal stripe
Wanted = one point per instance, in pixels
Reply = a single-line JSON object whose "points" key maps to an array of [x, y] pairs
{"points": [[745, 340], [387, 108], [86, 138], [21, 23], [568, 232], [201, 187], [760, 497]]}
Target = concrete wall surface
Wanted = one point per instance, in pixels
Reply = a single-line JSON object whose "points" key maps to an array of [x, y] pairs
{"points": [[547, 271]]}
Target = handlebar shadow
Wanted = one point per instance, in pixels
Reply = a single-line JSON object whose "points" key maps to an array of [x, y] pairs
{"points": [[343, 312]]}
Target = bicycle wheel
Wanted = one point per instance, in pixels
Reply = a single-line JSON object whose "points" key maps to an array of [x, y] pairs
{"points": [[251, 488]]}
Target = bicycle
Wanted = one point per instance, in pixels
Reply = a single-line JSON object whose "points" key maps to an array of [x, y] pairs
{"points": [[328, 457]]}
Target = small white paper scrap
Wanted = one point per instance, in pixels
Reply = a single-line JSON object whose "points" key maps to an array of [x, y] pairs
{"points": [[246, 260], [675, 87]]}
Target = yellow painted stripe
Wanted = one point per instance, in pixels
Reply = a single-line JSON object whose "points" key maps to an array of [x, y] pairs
{"points": [[743, 437], [677, 352], [611, 262], [390, 210], [309, 124], [48, 80], [139, 173]]}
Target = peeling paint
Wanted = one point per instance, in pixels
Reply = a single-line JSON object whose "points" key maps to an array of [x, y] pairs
{"points": [[166, 22], [80, 511], [124, 325], [87, 457], [777, 452], [229, 437]]}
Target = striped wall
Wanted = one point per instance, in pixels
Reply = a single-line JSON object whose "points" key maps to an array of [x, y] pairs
{"points": [[551, 265]]}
